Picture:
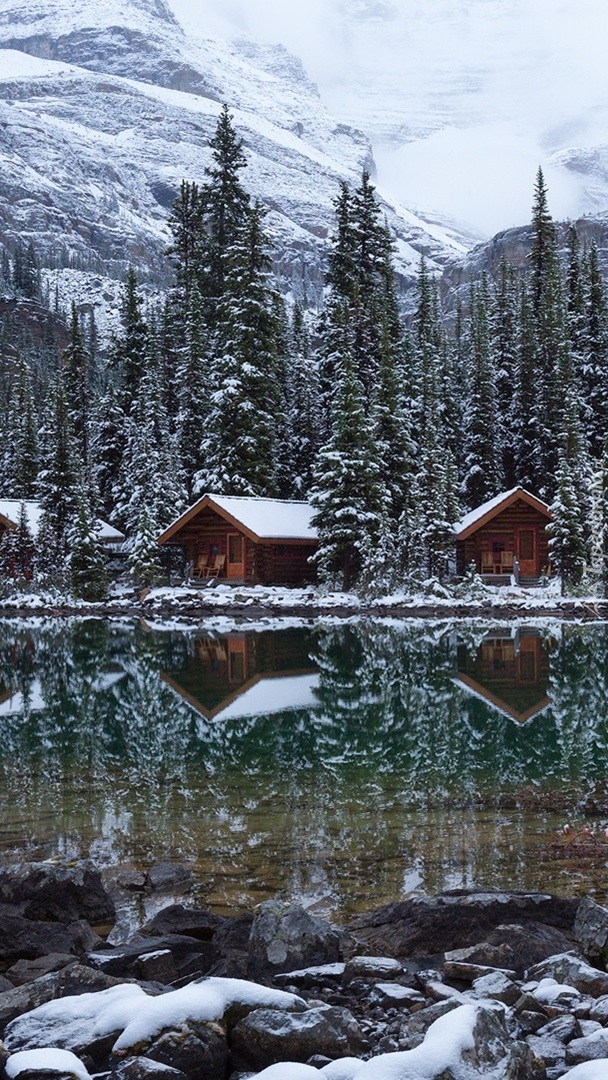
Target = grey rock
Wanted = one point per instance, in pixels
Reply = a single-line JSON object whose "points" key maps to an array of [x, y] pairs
{"points": [[591, 931], [57, 892], [25, 939], [529, 943], [549, 1048], [287, 937], [589, 1027], [191, 955], [5, 984], [571, 969], [267, 1036], [498, 987], [130, 880], [483, 954], [565, 1028], [395, 995], [588, 1048], [200, 1051], [466, 972], [417, 1025], [166, 875], [25, 971], [142, 1068], [372, 968], [599, 1010], [158, 967], [425, 926], [530, 1022], [177, 919]]}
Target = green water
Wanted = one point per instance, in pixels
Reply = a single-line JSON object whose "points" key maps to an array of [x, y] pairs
{"points": [[345, 766]]}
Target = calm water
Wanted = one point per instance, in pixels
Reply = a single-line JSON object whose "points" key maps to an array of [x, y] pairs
{"points": [[345, 766]]}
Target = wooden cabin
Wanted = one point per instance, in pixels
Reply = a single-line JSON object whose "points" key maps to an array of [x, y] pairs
{"points": [[510, 672], [10, 510], [246, 540], [505, 538]]}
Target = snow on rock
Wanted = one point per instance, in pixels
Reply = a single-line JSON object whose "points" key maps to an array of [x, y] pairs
{"points": [[550, 991], [134, 1015], [47, 1059], [590, 1070]]}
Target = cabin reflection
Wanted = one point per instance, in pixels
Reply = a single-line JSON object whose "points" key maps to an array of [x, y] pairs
{"points": [[246, 675], [511, 672]]}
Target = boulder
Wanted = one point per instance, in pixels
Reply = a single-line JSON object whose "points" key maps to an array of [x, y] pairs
{"points": [[191, 922], [286, 937], [25, 971], [57, 892], [191, 956], [529, 943], [591, 931], [425, 926], [498, 987], [571, 969], [24, 939], [589, 1048], [372, 969], [73, 980], [198, 1050], [143, 1068], [267, 1036], [166, 875]]}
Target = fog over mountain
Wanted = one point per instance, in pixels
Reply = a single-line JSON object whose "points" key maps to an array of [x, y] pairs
{"points": [[462, 98]]}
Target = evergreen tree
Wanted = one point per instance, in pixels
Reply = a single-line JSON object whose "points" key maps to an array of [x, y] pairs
{"points": [[599, 523], [349, 496], [302, 435], [77, 383], [57, 480], [130, 354], [20, 457], [503, 349], [568, 545], [482, 476], [17, 551], [240, 448], [144, 557], [86, 558], [595, 353], [107, 447]]}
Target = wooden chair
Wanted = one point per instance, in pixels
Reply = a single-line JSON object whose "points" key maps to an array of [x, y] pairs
{"points": [[215, 566], [198, 570]]}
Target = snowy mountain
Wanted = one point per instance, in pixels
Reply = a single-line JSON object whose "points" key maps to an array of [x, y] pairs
{"points": [[104, 109]]}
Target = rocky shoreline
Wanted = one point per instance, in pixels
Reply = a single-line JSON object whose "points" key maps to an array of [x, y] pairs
{"points": [[509, 986]]}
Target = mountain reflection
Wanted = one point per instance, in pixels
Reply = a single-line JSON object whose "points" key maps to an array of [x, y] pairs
{"points": [[342, 763]]}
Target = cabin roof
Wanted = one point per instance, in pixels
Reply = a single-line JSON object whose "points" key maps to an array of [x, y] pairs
{"points": [[260, 519], [490, 509], [11, 508]]}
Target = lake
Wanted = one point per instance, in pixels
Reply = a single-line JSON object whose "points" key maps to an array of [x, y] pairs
{"points": [[345, 765]]}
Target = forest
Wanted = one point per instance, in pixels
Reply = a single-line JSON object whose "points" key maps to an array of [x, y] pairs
{"points": [[392, 426]]}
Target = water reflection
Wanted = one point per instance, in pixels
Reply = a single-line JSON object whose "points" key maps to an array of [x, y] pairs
{"points": [[344, 765], [511, 672]]}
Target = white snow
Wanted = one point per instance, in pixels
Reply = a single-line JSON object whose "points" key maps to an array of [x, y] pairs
{"points": [[443, 1045], [47, 1059], [269, 519], [549, 990], [135, 1015], [19, 703], [11, 508], [480, 511], [274, 695], [589, 1070]]}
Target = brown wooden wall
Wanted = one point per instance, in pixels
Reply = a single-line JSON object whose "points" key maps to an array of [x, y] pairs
{"points": [[265, 564], [519, 515]]}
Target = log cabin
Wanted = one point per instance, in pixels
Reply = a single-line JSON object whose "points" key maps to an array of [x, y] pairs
{"points": [[505, 538], [246, 540], [10, 510]]}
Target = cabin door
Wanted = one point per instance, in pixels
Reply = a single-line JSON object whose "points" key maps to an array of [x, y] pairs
{"points": [[527, 551], [236, 556]]}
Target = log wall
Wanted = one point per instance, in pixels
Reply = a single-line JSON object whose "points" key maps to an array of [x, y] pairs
{"points": [[518, 516]]}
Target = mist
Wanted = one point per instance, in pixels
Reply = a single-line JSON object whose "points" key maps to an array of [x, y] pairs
{"points": [[462, 99]]}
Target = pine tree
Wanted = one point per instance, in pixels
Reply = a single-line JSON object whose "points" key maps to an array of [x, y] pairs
{"points": [[86, 558], [594, 343], [107, 448], [349, 496], [57, 480], [503, 349], [130, 354], [599, 523], [240, 449], [144, 557], [482, 475], [20, 465], [77, 383], [568, 530], [302, 436], [17, 551]]}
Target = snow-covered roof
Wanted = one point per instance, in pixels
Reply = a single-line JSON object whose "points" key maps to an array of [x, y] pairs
{"points": [[11, 508], [265, 519], [487, 509], [286, 694]]}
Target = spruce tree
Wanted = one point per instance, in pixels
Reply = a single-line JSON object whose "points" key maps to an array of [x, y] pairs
{"points": [[349, 495], [77, 383], [85, 559], [595, 352], [17, 551], [482, 474], [130, 353]]}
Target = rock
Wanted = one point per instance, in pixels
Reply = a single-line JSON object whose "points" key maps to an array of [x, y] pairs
{"points": [[130, 880], [591, 931], [142, 1068], [46, 1064], [588, 1048], [498, 987], [57, 892], [483, 955], [458, 969], [166, 875], [5, 984], [192, 922], [72, 980], [25, 971], [394, 995], [267, 1036], [158, 966], [191, 956], [495, 1048], [599, 1010], [372, 968], [530, 943], [24, 939], [199, 1051], [416, 1026], [319, 975], [425, 926], [285, 937], [549, 1048], [564, 1028], [569, 968], [233, 935]]}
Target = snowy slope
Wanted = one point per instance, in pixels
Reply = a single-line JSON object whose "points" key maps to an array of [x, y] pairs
{"points": [[106, 108]]}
